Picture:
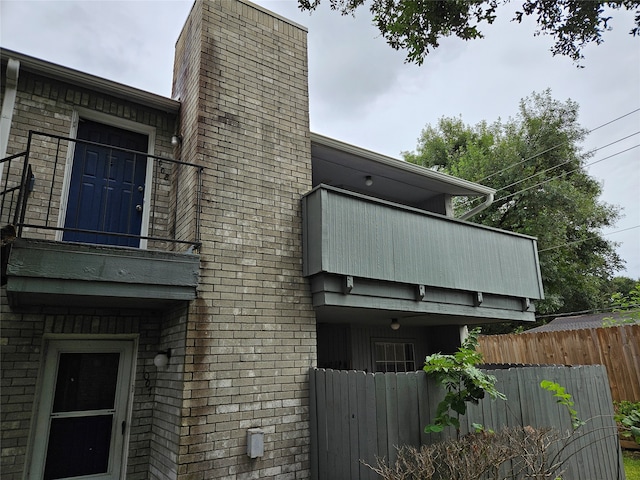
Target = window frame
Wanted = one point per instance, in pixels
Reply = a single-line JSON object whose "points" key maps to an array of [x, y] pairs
{"points": [[405, 342], [54, 346]]}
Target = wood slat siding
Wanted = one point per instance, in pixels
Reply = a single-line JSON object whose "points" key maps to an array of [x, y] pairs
{"points": [[60, 273], [351, 234], [617, 348], [358, 417]]}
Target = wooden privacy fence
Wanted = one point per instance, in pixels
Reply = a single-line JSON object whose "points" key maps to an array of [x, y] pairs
{"points": [[358, 416], [617, 348]]}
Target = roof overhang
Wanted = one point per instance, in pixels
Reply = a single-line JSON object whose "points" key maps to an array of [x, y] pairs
{"points": [[347, 166], [92, 82]]}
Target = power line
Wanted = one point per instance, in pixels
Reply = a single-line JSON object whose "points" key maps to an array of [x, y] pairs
{"points": [[556, 146], [565, 173], [470, 201], [614, 120], [568, 161], [554, 178], [588, 238]]}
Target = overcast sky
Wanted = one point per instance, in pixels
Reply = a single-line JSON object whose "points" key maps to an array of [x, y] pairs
{"points": [[362, 92]]}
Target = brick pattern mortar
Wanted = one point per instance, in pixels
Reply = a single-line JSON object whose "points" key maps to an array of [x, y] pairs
{"points": [[21, 347], [251, 333], [46, 105]]}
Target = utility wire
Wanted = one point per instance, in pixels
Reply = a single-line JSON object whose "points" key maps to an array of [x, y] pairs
{"points": [[565, 173], [614, 120], [555, 146], [556, 177], [565, 162], [470, 201], [588, 238]]}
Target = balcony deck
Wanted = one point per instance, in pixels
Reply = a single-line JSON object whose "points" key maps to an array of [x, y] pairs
{"points": [[44, 272], [367, 257], [43, 268]]}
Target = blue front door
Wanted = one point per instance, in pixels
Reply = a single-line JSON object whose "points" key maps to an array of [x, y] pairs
{"points": [[107, 186]]}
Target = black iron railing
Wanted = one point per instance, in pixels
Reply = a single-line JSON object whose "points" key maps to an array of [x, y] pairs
{"points": [[16, 185], [48, 192]]}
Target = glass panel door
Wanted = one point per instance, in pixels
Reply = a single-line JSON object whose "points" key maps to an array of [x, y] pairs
{"points": [[83, 415], [83, 407]]}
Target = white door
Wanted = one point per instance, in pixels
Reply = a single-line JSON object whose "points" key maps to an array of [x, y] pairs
{"points": [[81, 427]]}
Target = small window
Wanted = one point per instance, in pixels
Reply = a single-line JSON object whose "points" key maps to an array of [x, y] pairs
{"points": [[394, 357]]}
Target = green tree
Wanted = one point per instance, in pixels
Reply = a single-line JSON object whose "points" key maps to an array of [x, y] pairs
{"points": [[418, 26], [627, 306], [623, 285], [535, 163]]}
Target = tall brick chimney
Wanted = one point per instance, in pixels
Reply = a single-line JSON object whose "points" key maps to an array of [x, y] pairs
{"points": [[241, 76]]}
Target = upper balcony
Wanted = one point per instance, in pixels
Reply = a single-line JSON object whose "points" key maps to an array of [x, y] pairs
{"points": [[119, 228], [370, 260]]}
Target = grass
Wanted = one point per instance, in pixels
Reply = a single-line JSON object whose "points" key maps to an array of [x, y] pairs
{"points": [[631, 464]]}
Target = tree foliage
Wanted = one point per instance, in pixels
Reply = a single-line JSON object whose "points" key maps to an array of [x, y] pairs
{"points": [[535, 163], [623, 285], [463, 381], [418, 26], [565, 399], [627, 306]]}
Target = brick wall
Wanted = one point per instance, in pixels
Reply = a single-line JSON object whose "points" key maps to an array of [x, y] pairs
{"points": [[186, 87], [20, 352], [46, 105], [241, 75], [167, 398], [241, 352], [22, 344]]}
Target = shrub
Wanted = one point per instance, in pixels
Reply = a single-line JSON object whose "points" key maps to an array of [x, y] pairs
{"points": [[462, 380], [627, 417], [520, 452]]}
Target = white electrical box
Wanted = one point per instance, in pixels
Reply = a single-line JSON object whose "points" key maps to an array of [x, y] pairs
{"points": [[255, 442]]}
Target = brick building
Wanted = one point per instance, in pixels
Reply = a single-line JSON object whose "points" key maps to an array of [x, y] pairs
{"points": [[173, 267]]}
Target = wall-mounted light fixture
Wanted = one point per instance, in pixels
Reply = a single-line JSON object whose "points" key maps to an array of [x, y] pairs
{"points": [[162, 358], [368, 181], [176, 140], [395, 324]]}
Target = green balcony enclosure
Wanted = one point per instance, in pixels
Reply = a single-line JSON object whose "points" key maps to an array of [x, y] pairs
{"points": [[369, 260]]}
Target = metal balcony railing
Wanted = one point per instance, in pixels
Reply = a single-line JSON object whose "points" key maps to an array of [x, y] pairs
{"points": [[15, 185], [36, 200]]}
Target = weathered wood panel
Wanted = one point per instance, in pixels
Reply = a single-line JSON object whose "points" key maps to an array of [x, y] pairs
{"points": [[100, 263], [617, 348], [351, 234], [365, 416], [59, 273]]}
